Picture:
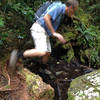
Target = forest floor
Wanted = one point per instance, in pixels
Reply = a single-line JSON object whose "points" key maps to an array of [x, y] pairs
{"points": [[62, 75]]}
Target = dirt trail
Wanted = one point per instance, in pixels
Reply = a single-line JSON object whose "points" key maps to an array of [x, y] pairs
{"points": [[12, 86]]}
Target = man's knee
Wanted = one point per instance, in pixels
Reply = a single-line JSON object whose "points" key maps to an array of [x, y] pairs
{"points": [[45, 58], [43, 53]]}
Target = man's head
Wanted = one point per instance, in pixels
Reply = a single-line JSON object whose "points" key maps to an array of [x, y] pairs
{"points": [[71, 7]]}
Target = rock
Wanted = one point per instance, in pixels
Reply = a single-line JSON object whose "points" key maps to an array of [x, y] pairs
{"points": [[86, 87], [59, 72], [37, 88]]}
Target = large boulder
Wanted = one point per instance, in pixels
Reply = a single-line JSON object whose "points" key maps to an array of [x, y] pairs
{"points": [[37, 88], [86, 87]]}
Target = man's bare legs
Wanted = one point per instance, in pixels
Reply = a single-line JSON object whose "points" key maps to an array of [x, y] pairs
{"points": [[30, 53], [33, 53], [45, 58]]}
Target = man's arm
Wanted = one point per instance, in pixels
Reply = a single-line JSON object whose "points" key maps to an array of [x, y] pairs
{"points": [[47, 19]]}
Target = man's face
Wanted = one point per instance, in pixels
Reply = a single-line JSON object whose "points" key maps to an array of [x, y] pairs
{"points": [[71, 11]]}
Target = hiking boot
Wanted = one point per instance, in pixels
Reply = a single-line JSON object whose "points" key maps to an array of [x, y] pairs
{"points": [[13, 59], [45, 71]]}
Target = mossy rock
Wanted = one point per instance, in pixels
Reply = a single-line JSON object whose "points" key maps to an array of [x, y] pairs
{"points": [[86, 87], [37, 88]]}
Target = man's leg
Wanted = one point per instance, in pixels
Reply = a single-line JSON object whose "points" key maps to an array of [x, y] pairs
{"points": [[40, 40], [33, 53], [45, 58], [43, 68]]}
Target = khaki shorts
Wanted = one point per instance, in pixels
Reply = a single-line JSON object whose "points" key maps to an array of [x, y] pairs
{"points": [[40, 37]]}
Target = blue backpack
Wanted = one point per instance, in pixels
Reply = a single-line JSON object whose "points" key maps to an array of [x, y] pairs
{"points": [[43, 8]]}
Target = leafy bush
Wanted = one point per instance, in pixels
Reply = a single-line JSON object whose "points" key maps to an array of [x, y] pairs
{"points": [[1, 22], [1, 35], [90, 39], [86, 38], [24, 10], [92, 7], [17, 15], [95, 11]]}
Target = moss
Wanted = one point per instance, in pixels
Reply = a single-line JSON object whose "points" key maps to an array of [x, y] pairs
{"points": [[7, 87], [83, 84], [98, 98], [70, 96], [82, 59], [47, 94], [37, 88], [70, 55], [33, 98]]}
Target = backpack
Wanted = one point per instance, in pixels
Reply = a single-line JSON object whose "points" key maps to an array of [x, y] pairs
{"points": [[41, 10]]}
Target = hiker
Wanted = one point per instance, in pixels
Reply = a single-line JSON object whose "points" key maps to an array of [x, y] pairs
{"points": [[44, 28]]}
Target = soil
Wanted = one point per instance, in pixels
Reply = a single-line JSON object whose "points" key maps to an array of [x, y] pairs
{"points": [[12, 85]]}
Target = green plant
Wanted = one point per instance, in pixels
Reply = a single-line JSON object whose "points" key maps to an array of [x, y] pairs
{"points": [[90, 38], [24, 10], [3, 37], [95, 12], [1, 26], [1, 22]]}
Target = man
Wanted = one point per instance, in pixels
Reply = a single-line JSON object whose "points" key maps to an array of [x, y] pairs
{"points": [[45, 27]]}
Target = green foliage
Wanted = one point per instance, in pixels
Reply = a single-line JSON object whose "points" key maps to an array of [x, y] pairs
{"points": [[70, 55], [37, 4], [90, 38], [85, 36], [3, 37], [24, 10], [1, 43], [17, 16], [1, 22], [89, 34], [94, 57], [95, 11], [92, 7]]}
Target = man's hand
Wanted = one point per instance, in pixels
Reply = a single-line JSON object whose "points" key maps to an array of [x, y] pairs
{"points": [[59, 37]]}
